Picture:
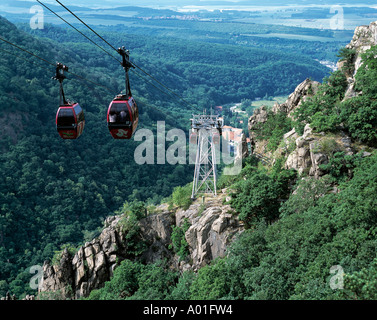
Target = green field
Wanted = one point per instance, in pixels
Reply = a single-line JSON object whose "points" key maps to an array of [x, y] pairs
{"points": [[269, 103], [294, 37]]}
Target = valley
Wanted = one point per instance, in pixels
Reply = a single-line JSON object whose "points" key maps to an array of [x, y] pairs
{"points": [[107, 223]]}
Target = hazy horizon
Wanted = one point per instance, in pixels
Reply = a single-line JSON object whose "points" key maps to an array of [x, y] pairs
{"points": [[197, 4], [294, 13]]}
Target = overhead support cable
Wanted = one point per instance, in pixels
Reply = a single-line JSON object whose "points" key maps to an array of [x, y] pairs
{"points": [[85, 24], [72, 26], [134, 64], [54, 64]]}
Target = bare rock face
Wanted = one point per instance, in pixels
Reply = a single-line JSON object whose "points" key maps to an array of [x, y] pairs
{"points": [[75, 276], [313, 150], [208, 237], [245, 148], [364, 38], [93, 264], [156, 230], [307, 155], [58, 277], [301, 158], [260, 115], [210, 233]]}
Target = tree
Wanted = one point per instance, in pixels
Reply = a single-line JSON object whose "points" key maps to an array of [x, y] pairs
{"points": [[135, 281], [362, 285], [306, 195], [359, 116], [123, 284], [322, 110], [181, 196], [211, 283], [273, 129], [366, 74], [347, 55], [256, 198], [179, 241]]}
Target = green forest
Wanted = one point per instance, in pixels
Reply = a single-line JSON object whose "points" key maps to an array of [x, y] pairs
{"points": [[55, 193], [295, 244], [289, 259]]}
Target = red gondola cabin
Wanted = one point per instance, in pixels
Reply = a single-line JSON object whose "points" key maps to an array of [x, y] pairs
{"points": [[122, 117], [70, 121]]}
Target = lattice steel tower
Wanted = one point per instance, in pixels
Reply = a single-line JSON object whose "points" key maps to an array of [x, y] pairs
{"points": [[206, 134]]}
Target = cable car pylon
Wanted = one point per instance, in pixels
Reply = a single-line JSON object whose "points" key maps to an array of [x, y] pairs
{"points": [[205, 133]]}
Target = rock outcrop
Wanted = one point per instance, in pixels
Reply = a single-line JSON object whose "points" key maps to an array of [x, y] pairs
{"points": [[308, 152], [210, 233], [364, 38], [302, 92], [301, 158], [260, 115], [305, 153], [93, 264], [76, 275]]}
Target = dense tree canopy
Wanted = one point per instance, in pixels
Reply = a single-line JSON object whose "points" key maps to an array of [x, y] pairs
{"points": [[55, 192]]}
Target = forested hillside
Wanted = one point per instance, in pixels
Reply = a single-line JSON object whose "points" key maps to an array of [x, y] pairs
{"points": [[207, 74], [287, 252], [309, 214], [55, 192], [52, 191]]}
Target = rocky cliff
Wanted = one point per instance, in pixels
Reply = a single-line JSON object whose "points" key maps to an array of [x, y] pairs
{"points": [[212, 228], [302, 92], [305, 153], [364, 38]]}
